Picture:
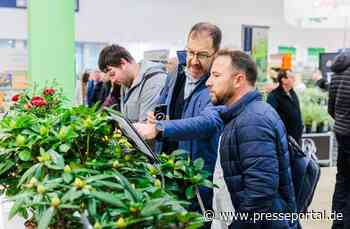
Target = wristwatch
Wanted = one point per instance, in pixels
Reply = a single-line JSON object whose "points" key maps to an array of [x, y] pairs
{"points": [[160, 128]]}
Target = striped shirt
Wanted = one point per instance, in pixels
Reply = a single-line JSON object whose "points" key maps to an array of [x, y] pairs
{"points": [[339, 102]]}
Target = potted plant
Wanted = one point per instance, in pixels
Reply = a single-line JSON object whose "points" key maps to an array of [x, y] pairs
{"points": [[307, 114], [65, 166]]}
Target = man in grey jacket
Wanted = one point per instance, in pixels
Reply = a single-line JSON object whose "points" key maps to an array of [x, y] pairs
{"points": [[141, 83], [339, 109]]}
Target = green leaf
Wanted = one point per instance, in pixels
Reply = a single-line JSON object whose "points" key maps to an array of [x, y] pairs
{"points": [[152, 207], [28, 174], [39, 173], [92, 207], [23, 213], [189, 192], [54, 183], [69, 206], [109, 184], [5, 166], [72, 195], [199, 164], [21, 195], [178, 174], [46, 218], [207, 183], [64, 148], [98, 177], [194, 225], [122, 180], [25, 155], [67, 177], [51, 166], [169, 175], [15, 208], [57, 159], [180, 165], [108, 198]]}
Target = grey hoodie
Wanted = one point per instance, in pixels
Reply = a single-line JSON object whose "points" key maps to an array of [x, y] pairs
{"points": [[142, 96], [339, 94]]}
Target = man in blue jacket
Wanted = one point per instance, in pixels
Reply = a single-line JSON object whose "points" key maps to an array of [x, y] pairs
{"points": [[253, 146], [191, 127]]}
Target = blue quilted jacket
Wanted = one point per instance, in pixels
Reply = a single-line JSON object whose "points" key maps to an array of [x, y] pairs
{"points": [[258, 178]]}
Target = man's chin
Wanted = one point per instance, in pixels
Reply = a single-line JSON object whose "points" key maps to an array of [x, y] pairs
{"points": [[214, 101], [196, 73], [217, 102]]}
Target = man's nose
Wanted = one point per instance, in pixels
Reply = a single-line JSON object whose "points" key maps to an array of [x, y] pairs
{"points": [[208, 83], [195, 60]]}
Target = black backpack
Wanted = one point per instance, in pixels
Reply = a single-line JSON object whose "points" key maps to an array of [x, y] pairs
{"points": [[305, 172]]}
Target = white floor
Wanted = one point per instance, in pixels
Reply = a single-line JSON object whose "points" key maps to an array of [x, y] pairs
{"points": [[15, 223]]}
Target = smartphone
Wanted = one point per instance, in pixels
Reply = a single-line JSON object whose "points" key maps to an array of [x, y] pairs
{"points": [[160, 112]]}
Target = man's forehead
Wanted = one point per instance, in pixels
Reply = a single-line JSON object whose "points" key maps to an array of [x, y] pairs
{"points": [[222, 62], [200, 41]]}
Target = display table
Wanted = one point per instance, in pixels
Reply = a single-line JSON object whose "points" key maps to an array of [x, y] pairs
{"points": [[323, 143]]}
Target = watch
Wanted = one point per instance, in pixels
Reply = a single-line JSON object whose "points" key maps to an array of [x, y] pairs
{"points": [[160, 128]]}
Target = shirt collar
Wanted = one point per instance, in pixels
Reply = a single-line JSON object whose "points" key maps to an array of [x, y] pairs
{"points": [[190, 79]]}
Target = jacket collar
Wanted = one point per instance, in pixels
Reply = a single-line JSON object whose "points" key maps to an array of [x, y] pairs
{"points": [[233, 111], [199, 84], [281, 91]]}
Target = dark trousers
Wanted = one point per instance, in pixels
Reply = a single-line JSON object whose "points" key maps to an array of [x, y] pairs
{"points": [[341, 196], [207, 198]]}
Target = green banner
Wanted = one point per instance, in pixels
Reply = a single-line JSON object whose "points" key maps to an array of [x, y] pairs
{"points": [[287, 50]]}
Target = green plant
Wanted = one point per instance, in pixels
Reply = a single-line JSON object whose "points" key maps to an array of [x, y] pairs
{"points": [[60, 165], [307, 113], [313, 108]]}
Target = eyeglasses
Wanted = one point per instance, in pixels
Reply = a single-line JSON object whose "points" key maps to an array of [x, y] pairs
{"points": [[200, 55]]}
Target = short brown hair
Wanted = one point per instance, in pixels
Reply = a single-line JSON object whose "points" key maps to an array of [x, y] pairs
{"points": [[111, 56], [241, 61], [213, 31]]}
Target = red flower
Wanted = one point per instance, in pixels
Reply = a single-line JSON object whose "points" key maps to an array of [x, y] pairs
{"points": [[49, 91], [15, 98], [38, 101]]}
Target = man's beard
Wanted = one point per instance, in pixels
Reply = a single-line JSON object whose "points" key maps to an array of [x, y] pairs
{"points": [[222, 100], [217, 101]]}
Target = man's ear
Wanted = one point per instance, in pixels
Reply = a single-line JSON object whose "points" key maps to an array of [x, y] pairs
{"points": [[239, 79]]}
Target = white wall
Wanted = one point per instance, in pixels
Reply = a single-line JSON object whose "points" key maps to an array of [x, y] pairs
{"points": [[145, 24]]}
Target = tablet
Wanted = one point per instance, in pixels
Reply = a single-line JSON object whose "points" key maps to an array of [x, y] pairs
{"points": [[129, 131]]}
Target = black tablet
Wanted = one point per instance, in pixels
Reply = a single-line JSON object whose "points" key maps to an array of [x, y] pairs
{"points": [[129, 131]]}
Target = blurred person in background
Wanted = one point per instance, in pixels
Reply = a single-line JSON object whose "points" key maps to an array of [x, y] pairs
{"points": [[286, 103], [339, 109], [81, 90], [171, 66], [94, 87], [106, 92]]}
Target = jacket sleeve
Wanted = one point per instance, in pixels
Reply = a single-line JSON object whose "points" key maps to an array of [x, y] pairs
{"points": [[96, 93], [331, 99], [201, 126], [90, 90], [150, 94], [260, 166]]}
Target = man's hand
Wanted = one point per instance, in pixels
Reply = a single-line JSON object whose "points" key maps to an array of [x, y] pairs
{"points": [[147, 131], [150, 118]]}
